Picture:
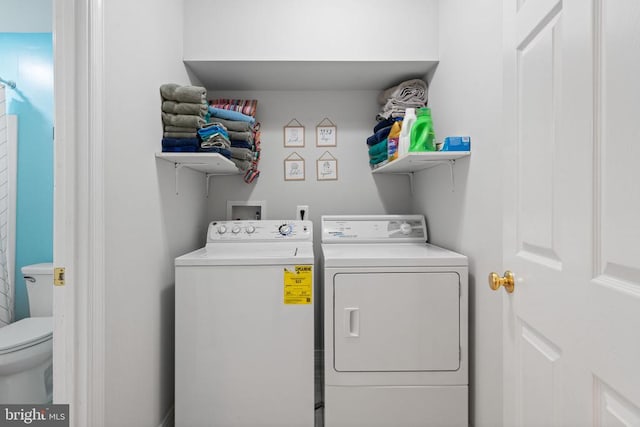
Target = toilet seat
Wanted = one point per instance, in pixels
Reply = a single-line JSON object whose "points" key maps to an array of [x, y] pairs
{"points": [[25, 333]]}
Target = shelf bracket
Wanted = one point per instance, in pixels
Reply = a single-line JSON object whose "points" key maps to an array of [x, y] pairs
{"points": [[177, 167], [410, 175], [453, 181], [208, 179]]}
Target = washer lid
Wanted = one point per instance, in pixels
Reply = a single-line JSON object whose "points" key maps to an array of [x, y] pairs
{"points": [[389, 255], [265, 253], [25, 333]]}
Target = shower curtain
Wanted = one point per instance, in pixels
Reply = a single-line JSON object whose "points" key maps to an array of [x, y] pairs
{"points": [[6, 288]]}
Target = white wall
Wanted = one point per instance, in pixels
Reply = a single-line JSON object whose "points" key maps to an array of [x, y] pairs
{"points": [[314, 30], [147, 224], [26, 16], [466, 97], [355, 191]]}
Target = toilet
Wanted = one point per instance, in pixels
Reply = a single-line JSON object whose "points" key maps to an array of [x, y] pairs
{"points": [[26, 346]]}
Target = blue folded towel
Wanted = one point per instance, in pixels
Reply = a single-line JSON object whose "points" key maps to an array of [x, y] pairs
{"points": [[230, 115], [180, 142], [380, 135], [241, 144], [383, 124], [378, 159], [211, 129], [377, 149], [185, 149]]}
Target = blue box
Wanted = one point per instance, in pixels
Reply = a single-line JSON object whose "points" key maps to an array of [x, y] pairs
{"points": [[457, 143]]}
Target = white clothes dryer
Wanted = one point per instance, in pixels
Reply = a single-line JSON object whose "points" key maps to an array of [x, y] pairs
{"points": [[244, 331], [395, 325]]}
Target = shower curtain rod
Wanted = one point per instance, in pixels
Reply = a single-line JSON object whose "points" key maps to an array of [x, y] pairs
{"points": [[9, 83]]}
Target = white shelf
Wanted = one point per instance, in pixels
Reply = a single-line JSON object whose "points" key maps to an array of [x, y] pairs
{"points": [[209, 163], [305, 75], [413, 162]]}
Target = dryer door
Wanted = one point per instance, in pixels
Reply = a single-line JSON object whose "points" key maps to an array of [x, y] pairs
{"points": [[396, 321]]}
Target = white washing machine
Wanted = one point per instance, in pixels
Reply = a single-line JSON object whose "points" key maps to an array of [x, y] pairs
{"points": [[244, 329], [395, 325]]}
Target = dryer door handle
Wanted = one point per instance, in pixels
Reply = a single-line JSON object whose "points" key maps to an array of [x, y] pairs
{"points": [[352, 322]]}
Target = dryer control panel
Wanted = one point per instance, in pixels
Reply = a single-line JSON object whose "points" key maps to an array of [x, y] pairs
{"points": [[373, 228], [259, 231]]}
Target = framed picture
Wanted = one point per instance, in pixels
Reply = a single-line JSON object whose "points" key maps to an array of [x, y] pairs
{"points": [[294, 168], [294, 134], [326, 134], [327, 167]]}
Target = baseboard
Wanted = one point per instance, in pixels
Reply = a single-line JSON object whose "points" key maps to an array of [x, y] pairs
{"points": [[169, 419]]}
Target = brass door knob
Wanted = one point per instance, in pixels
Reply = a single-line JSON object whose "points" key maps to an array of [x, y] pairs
{"points": [[508, 282]]}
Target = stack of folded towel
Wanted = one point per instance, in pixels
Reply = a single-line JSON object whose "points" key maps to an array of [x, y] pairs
{"points": [[394, 101], [214, 138], [377, 143], [408, 94], [237, 116], [184, 111]]}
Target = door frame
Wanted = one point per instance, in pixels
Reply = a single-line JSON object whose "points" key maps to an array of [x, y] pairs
{"points": [[79, 320]]}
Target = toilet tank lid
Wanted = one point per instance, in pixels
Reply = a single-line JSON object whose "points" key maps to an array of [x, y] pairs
{"points": [[42, 268], [25, 333]]}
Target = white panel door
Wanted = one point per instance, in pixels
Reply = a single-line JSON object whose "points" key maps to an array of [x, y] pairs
{"points": [[571, 213]]}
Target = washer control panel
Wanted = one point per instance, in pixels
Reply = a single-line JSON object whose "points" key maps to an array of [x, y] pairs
{"points": [[259, 230], [373, 228]]}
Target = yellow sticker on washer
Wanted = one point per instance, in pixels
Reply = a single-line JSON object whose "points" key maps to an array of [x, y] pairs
{"points": [[298, 285]]}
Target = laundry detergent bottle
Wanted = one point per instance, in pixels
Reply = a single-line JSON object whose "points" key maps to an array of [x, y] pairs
{"points": [[422, 136], [393, 140], [405, 134]]}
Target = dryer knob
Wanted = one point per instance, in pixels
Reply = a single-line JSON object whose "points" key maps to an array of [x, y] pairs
{"points": [[285, 229], [405, 228], [250, 229], [235, 230], [222, 229]]}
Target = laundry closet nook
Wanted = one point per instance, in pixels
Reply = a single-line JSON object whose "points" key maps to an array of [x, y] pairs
{"points": [[303, 61]]}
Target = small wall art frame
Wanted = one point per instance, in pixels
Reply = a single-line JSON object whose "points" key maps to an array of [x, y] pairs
{"points": [[327, 167], [326, 134], [294, 167], [293, 134]]}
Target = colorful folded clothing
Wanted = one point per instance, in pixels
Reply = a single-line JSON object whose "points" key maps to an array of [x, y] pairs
{"points": [[244, 106], [230, 115]]}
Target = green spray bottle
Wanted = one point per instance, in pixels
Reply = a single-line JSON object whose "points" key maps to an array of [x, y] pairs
{"points": [[423, 137]]}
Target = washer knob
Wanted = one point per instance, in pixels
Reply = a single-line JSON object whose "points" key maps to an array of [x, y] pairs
{"points": [[250, 229], [235, 229], [285, 229], [405, 228], [222, 229]]}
